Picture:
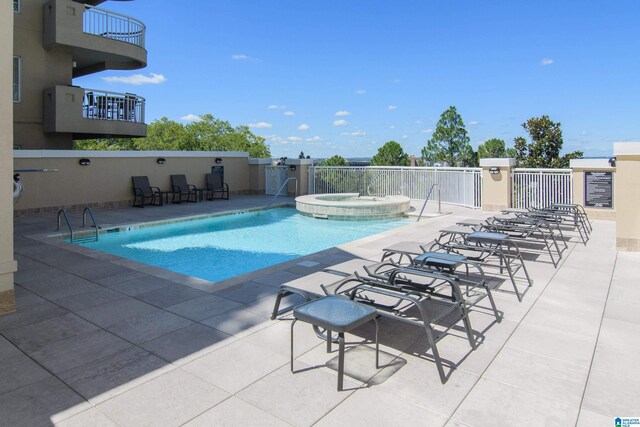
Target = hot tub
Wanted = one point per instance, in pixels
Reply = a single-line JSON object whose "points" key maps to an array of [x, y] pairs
{"points": [[352, 206]]}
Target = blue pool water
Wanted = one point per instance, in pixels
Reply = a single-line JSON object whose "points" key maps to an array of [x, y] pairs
{"points": [[222, 247]]}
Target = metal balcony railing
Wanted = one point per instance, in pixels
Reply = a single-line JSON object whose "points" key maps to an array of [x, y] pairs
{"points": [[112, 25], [103, 105]]}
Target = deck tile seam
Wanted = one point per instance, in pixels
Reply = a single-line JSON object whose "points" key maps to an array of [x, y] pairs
{"points": [[482, 374], [595, 346]]}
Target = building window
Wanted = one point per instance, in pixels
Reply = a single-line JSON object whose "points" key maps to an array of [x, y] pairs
{"points": [[17, 74], [16, 6]]}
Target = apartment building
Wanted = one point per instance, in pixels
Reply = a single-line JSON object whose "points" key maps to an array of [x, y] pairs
{"points": [[55, 41]]}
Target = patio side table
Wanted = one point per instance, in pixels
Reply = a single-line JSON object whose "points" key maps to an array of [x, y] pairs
{"points": [[335, 314]]}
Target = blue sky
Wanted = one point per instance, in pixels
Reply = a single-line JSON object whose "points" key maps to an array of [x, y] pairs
{"points": [[343, 77]]}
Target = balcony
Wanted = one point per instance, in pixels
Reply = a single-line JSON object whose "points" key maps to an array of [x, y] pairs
{"points": [[98, 39], [90, 113]]}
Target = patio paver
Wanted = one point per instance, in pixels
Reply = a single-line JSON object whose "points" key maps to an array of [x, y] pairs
{"points": [[99, 340]]}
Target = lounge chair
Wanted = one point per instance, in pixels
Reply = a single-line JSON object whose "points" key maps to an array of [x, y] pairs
{"points": [[144, 193], [402, 292], [215, 185], [182, 191]]}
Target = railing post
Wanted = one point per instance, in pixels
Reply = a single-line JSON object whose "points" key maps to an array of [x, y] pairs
{"points": [[496, 183]]}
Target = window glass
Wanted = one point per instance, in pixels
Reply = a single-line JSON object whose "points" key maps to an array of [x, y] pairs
{"points": [[16, 6]]}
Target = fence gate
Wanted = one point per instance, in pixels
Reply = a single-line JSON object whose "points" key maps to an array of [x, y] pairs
{"points": [[275, 176], [536, 188]]}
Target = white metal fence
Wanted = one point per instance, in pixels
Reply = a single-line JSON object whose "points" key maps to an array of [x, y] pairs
{"points": [[275, 176], [459, 186], [535, 188]]}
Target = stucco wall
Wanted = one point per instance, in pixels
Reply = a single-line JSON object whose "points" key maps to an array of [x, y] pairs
{"points": [[626, 196], [7, 263], [107, 180], [40, 69]]}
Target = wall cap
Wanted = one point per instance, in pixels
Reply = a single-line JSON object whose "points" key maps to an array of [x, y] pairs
{"points": [[300, 161], [504, 162], [34, 154], [590, 164], [260, 161], [626, 148]]}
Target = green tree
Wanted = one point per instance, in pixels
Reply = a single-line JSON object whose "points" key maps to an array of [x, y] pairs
{"points": [[207, 134], [546, 144], [390, 154], [334, 161], [163, 134], [449, 143], [106, 144], [492, 148]]}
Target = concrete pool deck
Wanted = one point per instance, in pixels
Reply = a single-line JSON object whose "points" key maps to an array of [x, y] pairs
{"points": [[103, 341]]}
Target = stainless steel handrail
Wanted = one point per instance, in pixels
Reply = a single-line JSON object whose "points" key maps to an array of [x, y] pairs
{"points": [[281, 187], [93, 219], [63, 212], [424, 205]]}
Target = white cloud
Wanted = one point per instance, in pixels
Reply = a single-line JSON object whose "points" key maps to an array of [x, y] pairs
{"points": [[418, 122], [426, 130], [473, 123], [340, 122], [342, 113], [314, 139], [405, 136], [242, 57], [392, 127], [397, 80], [190, 118], [276, 107], [304, 126], [260, 125], [289, 113], [137, 79], [357, 133], [546, 61], [294, 139], [360, 92], [392, 107]]}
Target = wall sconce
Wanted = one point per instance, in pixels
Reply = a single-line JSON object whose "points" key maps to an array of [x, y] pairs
{"points": [[218, 160], [292, 167], [494, 170], [612, 162], [84, 162], [161, 160]]}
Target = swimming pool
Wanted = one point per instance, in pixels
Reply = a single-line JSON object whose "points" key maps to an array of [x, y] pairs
{"points": [[225, 246]]}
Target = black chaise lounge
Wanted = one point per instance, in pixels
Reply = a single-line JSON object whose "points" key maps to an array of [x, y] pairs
{"points": [[182, 191], [144, 193], [216, 186]]}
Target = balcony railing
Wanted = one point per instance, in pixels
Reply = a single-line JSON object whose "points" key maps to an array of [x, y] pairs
{"points": [[112, 25], [103, 105]]}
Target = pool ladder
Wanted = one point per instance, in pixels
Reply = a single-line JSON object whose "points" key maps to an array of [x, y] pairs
{"points": [[62, 213], [282, 187]]}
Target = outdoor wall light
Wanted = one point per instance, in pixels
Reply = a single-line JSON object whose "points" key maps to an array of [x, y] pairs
{"points": [[84, 162], [218, 160], [292, 167], [161, 161], [494, 170], [612, 162]]}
